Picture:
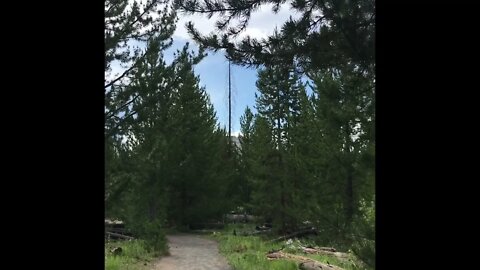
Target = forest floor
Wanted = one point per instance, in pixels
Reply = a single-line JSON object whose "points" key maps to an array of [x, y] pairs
{"points": [[193, 252]]}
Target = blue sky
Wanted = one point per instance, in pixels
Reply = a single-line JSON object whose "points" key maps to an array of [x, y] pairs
{"points": [[213, 73]]}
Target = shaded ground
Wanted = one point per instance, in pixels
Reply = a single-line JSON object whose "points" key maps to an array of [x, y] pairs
{"points": [[192, 252]]}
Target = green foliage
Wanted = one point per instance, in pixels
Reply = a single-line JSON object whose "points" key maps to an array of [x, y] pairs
{"points": [[249, 252], [312, 158], [326, 34], [281, 189], [133, 256], [130, 124], [114, 263], [154, 235], [343, 105], [244, 158], [279, 87], [364, 234], [198, 179], [127, 23]]}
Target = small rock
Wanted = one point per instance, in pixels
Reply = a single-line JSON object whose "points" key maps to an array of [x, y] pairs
{"points": [[315, 266], [117, 251]]}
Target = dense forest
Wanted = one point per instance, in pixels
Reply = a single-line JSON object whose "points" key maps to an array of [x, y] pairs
{"points": [[307, 154]]}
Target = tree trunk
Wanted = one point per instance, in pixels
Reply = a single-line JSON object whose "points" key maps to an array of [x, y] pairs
{"points": [[119, 235], [299, 233], [184, 205], [349, 202], [305, 262], [326, 251], [349, 197]]}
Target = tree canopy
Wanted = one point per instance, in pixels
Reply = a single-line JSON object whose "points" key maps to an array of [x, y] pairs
{"points": [[328, 33]]}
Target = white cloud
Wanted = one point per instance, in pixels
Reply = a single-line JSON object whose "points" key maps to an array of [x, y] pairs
{"points": [[254, 33], [261, 24], [200, 21], [236, 133]]}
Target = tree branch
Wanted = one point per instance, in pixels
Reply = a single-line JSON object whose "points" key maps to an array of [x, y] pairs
{"points": [[112, 5], [113, 130], [147, 9], [221, 10], [123, 75], [110, 114]]}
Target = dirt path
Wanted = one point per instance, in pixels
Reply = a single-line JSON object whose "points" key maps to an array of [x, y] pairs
{"points": [[192, 252]]}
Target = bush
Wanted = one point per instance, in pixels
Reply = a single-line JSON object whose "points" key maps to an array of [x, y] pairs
{"points": [[364, 245], [154, 236]]}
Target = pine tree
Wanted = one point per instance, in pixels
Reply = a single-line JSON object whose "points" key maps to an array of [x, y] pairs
{"points": [[278, 102], [246, 148], [328, 32], [127, 22], [262, 158], [142, 201], [300, 156], [195, 144], [279, 87], [343, 108]]}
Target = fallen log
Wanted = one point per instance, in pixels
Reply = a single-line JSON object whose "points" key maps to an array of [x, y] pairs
{"points": [[255, 233], [296, 234], [310, 250], [119, 235], [339, 255], [113, 222], [242, 218], [305, 262], [327, 252], [276, 255], [117, 230], [326, 249], [263, 227]]}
